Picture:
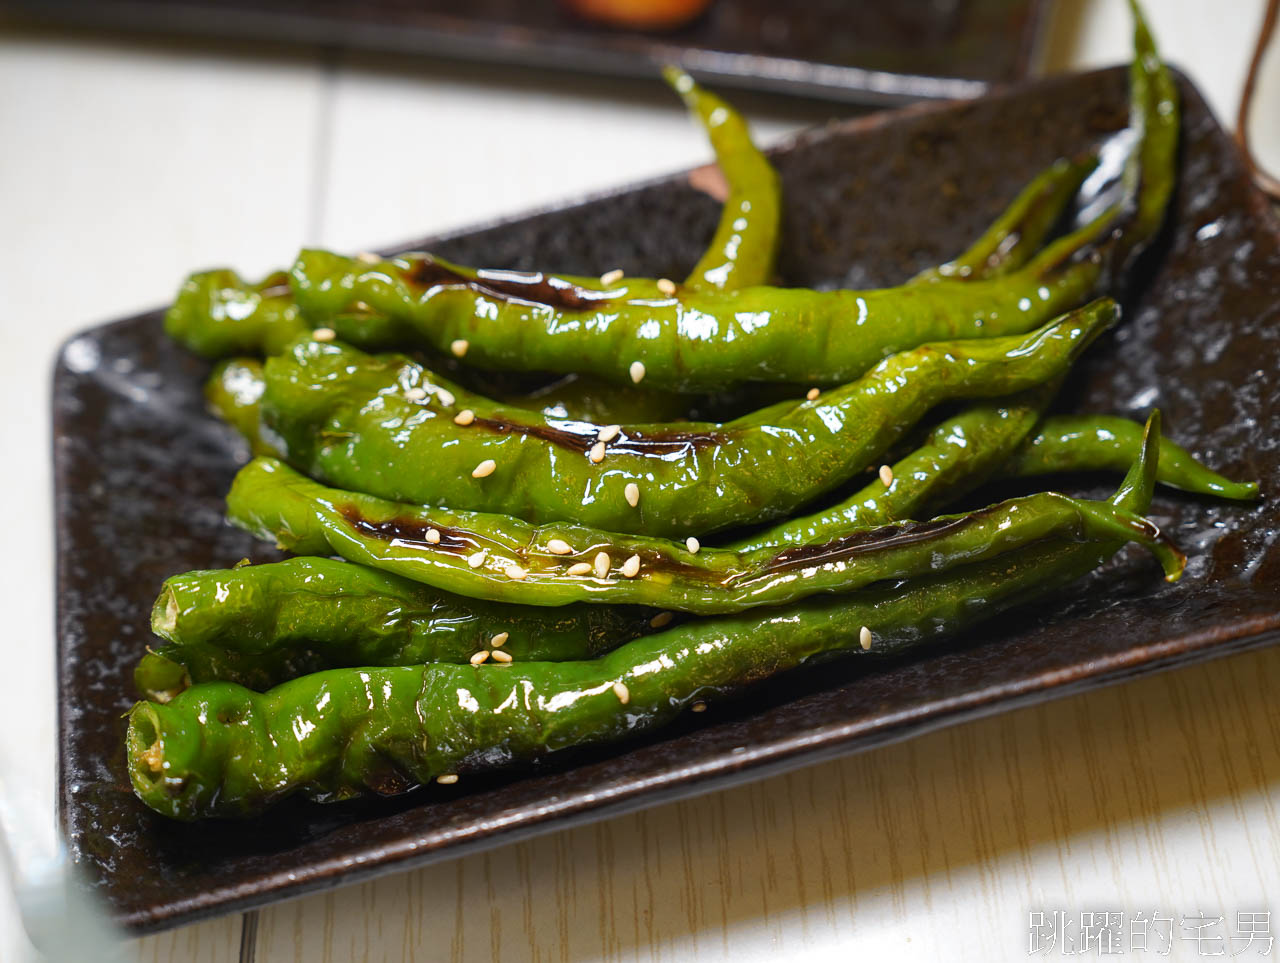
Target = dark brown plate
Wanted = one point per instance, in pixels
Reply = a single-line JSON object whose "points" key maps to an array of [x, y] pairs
{"points": [[141, 470], [868, 52]]}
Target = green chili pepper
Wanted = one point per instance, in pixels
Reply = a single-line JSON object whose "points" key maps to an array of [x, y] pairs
{"points": [[259, 625], [222, 750], [745, 244], [388, 427], [217, 314], [504, 559]]}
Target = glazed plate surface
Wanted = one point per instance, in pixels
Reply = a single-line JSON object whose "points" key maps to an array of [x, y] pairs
{"points": [[141, 470]]}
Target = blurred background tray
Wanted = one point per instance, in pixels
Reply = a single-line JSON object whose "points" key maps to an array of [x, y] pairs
{"points": [[862, 51]]}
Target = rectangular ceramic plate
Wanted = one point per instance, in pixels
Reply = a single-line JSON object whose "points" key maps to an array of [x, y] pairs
{"points": [[868, 52], [141, 471]]}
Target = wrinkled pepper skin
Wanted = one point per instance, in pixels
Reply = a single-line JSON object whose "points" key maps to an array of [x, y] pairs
{"points": [[388, 427], [505, 559], [218, 315], [260, 625], [745, 245], [220, 750]]}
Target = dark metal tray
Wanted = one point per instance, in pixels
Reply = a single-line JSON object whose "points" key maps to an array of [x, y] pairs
{"points": [[141, 470], [867, 52]]}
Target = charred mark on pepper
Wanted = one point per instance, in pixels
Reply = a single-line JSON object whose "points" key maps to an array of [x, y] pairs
{"points": [[579, 436], [408, 530], [533, 287]]}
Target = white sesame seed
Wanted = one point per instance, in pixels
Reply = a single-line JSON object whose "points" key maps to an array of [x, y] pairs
{"points": [[446, 397], [464, 417], [611, 277], [864, 637], [324, 334], [578, 568], [699, 706], [368, 257], [637, 371], [476, 560], [596, 455], [812, 394], [362, 306], [433, 536], [484, 469], [692, 544], [558, 546], [661, 619], [515, 573], [632, 493], [501, 656], [667, 286], [622, 692], [459, 347], [499, 640], [601, 564], [631, 567], [448, 779], [416, 393], [479, 657], [886, 475], [608, 432]]}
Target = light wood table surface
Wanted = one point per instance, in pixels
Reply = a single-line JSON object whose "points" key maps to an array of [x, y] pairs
{"points": [[126, 162]]}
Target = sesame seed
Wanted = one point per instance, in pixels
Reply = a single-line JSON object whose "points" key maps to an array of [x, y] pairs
{"points": [[499, 640], [596, 455], [368, 257], [692, 544], [459, 347], [632, 493], [864, 637], [448, 779], [812, 394], [446, 397], [886, 475], [500, 656], [476, 560], [579, 568], [558, 546], [464, 417], [515, 573], [631, 567], [611, 277], [699, 706], [433, 536], [661, 619], [637, 371], [362, 306], [479, 657], [622, 692], [667, 286], [608, 432], [601, 564], [416, 394], [324, 334], [484, 469]]}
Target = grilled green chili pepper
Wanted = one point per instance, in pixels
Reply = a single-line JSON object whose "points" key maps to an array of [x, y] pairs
{"points": [[259, 625], [388, 427], [505, 559], [742, 251], [217, 314], [222, 750]]}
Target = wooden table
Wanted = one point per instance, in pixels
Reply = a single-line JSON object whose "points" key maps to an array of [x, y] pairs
{"points": [[128, 162]]}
